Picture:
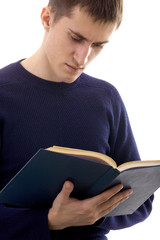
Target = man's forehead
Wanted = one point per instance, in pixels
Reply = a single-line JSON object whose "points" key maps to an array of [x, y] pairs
{"points": [[84, 26], [89, 28]]}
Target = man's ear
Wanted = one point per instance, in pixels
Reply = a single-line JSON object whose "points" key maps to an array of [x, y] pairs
{"points": [[46, 18]]}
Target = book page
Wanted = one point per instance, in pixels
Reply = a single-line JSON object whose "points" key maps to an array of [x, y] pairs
{"points": [[137, 164], [89, 155]]}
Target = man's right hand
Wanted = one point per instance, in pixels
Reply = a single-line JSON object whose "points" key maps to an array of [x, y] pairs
{"points": [[67, 211]]}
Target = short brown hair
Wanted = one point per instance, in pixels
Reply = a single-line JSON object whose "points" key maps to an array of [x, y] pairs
{"points": [[100, 10]]}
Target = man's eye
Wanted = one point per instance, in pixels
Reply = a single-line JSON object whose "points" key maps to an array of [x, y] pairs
{"points": [[98, 45], [76, 39]]}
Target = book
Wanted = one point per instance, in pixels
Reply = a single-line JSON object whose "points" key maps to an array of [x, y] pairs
{"points": [[41, 179]]}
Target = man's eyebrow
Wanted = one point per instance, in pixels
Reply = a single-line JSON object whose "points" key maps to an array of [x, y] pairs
{"points": [[78, 35], [84, 38]]}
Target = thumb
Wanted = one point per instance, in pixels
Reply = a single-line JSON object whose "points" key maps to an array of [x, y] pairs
{"points": [[67, 189]]}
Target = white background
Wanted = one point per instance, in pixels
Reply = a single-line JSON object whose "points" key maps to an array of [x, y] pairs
{"points": [[130, 62]]}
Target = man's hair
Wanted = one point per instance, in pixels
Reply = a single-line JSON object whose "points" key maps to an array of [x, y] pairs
{"points": [[100, 10]]}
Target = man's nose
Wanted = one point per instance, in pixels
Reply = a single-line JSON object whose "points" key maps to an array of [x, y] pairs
{"points": [[81, 54]]}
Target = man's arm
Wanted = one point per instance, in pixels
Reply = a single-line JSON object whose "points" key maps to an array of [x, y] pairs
{"points": [[23, 223], [67, 211]]}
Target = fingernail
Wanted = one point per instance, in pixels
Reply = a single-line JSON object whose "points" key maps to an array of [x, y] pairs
{"points": [[121, 186], [67, 185], [130, 192]]}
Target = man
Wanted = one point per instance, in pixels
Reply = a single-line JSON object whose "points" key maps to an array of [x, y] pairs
{"points": [[47, 100]]}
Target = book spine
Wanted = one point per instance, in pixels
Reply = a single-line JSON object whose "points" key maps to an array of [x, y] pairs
{"points": [[102, 184]]}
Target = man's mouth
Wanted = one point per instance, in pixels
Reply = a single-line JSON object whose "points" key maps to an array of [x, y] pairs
{"points": [[74, 68]]}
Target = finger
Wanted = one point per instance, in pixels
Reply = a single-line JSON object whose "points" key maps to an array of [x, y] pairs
{"points": [[116, 198], [105, 196], [110, 209], [115, 201], [66, 190]]}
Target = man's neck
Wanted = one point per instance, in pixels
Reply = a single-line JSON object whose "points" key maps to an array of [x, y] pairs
{"points": [[37, 65]]}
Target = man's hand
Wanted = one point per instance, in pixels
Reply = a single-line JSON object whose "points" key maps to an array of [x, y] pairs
{"points": [[67, 211]]}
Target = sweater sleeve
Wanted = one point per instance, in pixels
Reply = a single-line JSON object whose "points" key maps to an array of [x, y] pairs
{"points": [[18, 223], [124, 149], [122, 142]]}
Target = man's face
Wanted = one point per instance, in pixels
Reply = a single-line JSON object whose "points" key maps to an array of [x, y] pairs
{"points": [[72, 43]]}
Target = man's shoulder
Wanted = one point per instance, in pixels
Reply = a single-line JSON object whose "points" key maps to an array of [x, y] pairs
{"points": [[7, 73], [97, 83]]}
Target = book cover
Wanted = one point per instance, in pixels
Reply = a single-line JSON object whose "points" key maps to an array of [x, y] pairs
{"points": [[41, 179]]}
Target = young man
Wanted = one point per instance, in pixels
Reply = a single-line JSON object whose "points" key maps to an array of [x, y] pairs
{"points": [[47, 100]]}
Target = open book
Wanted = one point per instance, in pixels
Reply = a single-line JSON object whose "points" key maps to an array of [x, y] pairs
{"points": [[41, 179], [102, 158]]}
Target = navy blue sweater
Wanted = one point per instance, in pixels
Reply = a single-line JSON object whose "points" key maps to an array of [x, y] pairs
{"points": [[35, 113]]}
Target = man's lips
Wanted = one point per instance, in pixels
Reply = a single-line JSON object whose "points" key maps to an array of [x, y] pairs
{"points": [[73, 68]]}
